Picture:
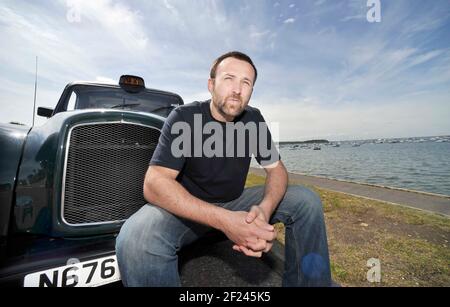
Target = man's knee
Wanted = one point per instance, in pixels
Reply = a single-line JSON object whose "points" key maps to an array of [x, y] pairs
{"points": [[151, 224], [145, 235], [306, 201], [145, 246]]}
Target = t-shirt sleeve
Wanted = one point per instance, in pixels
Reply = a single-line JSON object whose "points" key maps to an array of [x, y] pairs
{"points": [[163, 155], [267, 152]]}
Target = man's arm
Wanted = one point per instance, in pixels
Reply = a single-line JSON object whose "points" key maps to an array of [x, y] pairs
{"points": [[162, 189], [275, 188]]}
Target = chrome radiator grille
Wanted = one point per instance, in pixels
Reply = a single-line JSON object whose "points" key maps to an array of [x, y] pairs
{"points": [[104, 174]]}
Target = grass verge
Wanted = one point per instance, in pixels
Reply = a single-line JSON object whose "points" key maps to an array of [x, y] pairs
{"points": [[412, 246]]}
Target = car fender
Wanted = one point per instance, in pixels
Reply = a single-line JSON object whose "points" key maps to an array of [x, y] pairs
{"points": [[12, 140]]}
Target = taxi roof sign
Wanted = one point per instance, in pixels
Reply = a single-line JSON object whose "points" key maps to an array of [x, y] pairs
{"points": [[131, 81]]}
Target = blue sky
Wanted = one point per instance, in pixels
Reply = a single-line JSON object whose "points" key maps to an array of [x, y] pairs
{"points": [[324, 70]]}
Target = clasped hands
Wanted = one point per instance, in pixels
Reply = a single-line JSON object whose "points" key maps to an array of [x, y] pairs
{"points": [[251, 232]]}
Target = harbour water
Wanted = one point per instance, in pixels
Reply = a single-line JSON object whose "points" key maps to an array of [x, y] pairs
{"points": [[421, 164]]}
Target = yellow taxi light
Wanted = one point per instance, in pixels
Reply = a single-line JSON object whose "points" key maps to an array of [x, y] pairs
{"points": [[129, 80]]}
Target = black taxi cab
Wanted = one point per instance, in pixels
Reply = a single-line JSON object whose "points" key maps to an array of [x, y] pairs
{"points": [[66, 187]]}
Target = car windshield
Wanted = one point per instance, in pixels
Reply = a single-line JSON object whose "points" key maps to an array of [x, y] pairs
{"points": [[97, 97]]}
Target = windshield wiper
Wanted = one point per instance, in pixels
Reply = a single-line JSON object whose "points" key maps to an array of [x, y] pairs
{"points": [[125, 105], [163, 108]]}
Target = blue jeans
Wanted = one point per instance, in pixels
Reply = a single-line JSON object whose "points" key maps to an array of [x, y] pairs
{"points": [[149, 241]]}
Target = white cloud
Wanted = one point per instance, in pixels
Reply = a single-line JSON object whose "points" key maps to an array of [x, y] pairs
{"points": [[118, 20], [420, 59], [299, 120], [354, 17], [320, 69], [17, 101], [256, 34], [427, 22], [106, 80], [319, 2], [198, 96], [289, 20]]}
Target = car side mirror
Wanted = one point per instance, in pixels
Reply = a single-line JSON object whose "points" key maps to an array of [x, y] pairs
{"points": [[45, 112]]}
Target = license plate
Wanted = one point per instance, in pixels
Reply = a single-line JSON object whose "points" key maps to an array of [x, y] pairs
{"points": [[92, 273]]}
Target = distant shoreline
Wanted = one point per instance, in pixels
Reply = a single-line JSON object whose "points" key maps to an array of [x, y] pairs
{"points": [[305, 142], [444, 136]]}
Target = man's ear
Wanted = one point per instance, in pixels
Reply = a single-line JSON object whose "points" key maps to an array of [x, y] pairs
{"points": [[210, 85]]}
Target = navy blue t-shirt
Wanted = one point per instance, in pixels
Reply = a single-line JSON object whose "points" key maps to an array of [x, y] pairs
{"points": [[213, 161]]}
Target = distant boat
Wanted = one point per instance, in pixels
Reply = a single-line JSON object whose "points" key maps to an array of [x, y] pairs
{"points": [[356, 145], [317, 148]]}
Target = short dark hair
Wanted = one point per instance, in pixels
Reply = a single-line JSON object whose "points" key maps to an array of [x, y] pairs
{"points": [[232, 54]]}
